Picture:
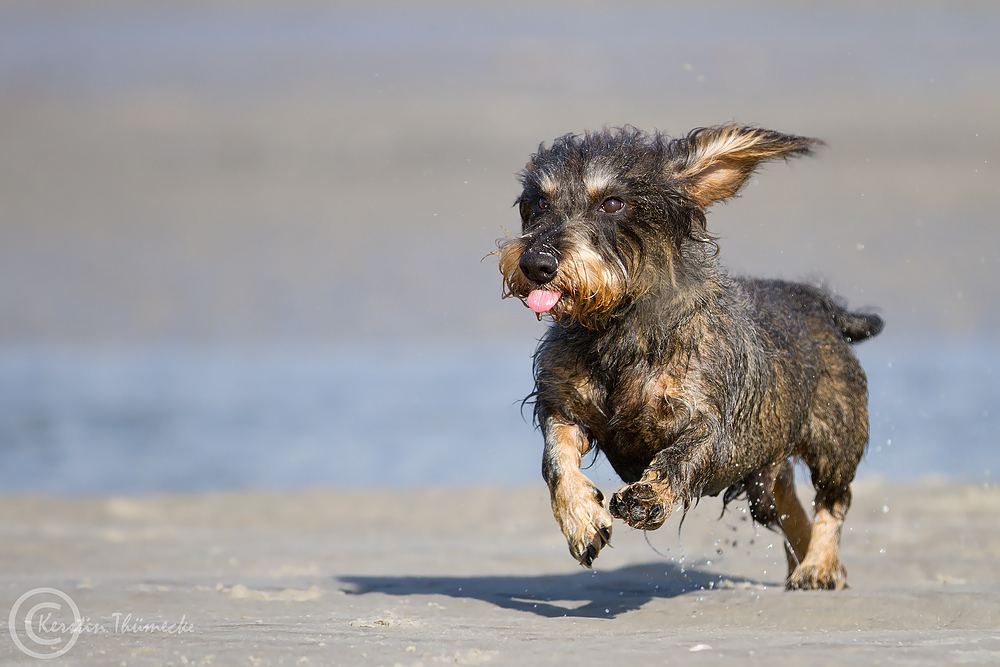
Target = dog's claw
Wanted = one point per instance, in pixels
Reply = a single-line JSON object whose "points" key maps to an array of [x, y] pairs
{"points": [[584, 521], [587, 559], [615, 508]]}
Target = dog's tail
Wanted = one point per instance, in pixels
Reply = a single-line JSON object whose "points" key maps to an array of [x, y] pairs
{"points": [[858, 326]]}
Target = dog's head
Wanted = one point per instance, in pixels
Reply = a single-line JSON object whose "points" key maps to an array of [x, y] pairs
{"points": [[608, 216]]}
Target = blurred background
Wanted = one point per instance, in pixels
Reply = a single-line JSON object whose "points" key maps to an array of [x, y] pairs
{"points": [[241, 244]]}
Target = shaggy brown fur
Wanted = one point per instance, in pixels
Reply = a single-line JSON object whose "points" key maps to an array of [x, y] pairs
{"points": [[691, 382]]}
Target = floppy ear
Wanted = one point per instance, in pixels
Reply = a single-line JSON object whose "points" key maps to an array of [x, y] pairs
{"points": [[713, 163]]}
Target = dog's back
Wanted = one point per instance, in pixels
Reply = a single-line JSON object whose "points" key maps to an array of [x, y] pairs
{"points": [[812, 332], [784, 302]]}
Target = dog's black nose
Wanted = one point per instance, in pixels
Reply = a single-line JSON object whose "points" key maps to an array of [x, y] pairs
{"points": [[539, 267]]}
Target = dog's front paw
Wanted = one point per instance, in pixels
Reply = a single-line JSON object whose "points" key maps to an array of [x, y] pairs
{"points": [[642, 505], [818, 576], [584, 521]]}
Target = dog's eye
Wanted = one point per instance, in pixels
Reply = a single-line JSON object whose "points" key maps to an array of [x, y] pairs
{"points": [[543, 204], [612, 205]]}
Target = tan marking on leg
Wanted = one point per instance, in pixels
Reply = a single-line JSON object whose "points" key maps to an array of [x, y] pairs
{"points": [[792, 517], [576, 502], [821, 568]]}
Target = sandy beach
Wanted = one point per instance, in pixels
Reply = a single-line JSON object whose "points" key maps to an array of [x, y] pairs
{"points": [[482, 575]]}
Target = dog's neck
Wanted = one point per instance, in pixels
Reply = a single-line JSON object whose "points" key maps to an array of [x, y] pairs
{"points": [[667, 314], [690, 284]]}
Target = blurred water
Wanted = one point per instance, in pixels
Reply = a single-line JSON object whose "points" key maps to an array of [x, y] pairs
{"points": [[77, 421], [176, 419], [933, 407]]}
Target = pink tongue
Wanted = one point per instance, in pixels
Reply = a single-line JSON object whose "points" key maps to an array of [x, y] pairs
{"points": [[541, 301]]}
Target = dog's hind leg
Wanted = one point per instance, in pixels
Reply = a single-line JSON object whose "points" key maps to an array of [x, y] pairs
{"points": [[838, 434], [774, 503], [821, 568], [791, 517]]}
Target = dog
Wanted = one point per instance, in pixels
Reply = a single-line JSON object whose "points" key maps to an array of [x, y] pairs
{"points": [[690, 381]]}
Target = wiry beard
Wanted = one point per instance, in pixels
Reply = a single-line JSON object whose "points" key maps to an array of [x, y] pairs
{"points": [[591, 286]]}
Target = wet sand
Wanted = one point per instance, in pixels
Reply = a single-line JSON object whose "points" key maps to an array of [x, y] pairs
{"points": [[483, 575]]}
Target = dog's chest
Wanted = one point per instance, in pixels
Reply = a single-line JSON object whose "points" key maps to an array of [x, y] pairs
{"points": [[636, 411]]}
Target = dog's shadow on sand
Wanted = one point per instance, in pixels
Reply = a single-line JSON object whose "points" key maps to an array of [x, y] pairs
{"points": [[588, 593]]}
